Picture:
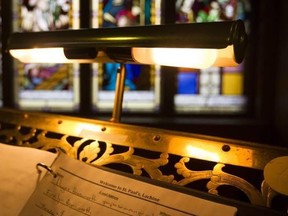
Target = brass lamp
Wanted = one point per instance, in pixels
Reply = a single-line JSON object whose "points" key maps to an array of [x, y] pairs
{"points": [[194, 45]]}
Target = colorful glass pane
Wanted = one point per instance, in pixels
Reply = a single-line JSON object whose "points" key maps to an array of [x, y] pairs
{"points": [[220, 89], [46, 86], [142, 83]]}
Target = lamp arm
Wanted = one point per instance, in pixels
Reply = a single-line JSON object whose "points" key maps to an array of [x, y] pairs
{"points": [[119, 93]]}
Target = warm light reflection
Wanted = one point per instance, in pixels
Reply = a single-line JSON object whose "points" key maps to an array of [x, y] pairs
{"points": [[196, 152], [185, 57], [39, 55], [225, 57], [52, 55], [175, 57], [87, 127]]}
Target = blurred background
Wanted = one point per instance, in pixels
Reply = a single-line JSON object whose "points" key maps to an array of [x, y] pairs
{"points": [[248, 102]]}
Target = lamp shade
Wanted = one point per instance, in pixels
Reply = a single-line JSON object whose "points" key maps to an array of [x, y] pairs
{"points": [[214, 43]]}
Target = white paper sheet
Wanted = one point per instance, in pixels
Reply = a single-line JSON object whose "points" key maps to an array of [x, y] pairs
{"points": [[81, 189], [19, 176]]}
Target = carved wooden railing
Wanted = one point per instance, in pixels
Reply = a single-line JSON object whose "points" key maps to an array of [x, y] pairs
{"points": [[222, 167]]}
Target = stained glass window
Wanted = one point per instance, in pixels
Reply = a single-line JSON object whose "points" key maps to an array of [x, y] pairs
{"points": [[46, 86], [212, 90], [142, 83]]}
